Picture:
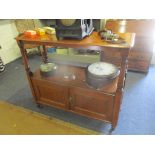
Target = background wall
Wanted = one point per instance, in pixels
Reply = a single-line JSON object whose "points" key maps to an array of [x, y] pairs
{"points": [[10, 50], [8, 32]]}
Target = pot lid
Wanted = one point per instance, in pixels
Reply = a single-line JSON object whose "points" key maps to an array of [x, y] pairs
{"points": [[102, 69], [48, 67]]}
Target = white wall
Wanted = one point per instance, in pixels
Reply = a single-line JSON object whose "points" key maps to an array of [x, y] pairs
{"points": [[153, 59], [10, 50]]}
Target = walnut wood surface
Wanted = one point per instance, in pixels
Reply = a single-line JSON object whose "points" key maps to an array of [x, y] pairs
{"points": [[73, 94], [91, 103], [93, 40], [79, 80]]}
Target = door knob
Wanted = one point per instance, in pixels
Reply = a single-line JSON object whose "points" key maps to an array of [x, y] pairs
{"points": [[71, 101]]}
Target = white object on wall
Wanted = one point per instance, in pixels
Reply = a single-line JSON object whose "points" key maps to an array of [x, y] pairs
{"points": [[10, 50]]}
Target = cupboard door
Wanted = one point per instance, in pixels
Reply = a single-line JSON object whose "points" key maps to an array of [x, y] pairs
{"points": [[91, 103], [51, 93]]}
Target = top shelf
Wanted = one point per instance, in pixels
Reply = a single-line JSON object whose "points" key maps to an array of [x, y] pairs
{"points": [[94, 41]]}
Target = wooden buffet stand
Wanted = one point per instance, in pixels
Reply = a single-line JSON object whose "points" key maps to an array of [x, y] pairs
{"points": [[74, 94]]}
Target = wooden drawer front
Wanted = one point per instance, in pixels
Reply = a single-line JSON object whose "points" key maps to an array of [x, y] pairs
{"points": [[136, 55], [138, 65], [91, 103], [51, 93]]}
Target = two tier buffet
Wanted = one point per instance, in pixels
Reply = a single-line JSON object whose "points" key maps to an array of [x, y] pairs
{"points": [[71, 88]]}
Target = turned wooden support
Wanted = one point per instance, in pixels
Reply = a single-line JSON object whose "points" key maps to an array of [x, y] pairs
{"points": [[44, 54], [24, 56], [123, 54], [120, 86], [27, 67], [109, 99]]}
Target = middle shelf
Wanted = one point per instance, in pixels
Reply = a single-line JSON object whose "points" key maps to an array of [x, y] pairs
{"points": [[73, 77]]}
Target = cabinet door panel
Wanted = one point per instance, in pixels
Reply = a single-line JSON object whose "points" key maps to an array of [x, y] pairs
{"points": [[51, 93], [91, 103], [138, 65], [136, 55]]}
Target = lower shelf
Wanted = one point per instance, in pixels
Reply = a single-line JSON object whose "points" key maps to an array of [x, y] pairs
{"points": [[79, 100], [77, 81], [103, 119], [75, 95]]}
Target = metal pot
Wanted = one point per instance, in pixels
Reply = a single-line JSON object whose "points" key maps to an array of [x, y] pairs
{"points": [[48, 69], [98, 74]]}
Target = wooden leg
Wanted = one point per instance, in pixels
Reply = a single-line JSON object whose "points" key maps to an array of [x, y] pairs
{"points": [[27, 68], [26, 56], [101, 55], [26, 53], [44, 55], [39, 49], [120, 89], [117, 103], [40, 105], [111, 130]]}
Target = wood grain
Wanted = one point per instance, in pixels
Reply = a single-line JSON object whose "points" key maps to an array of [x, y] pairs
{"points": [[67, 89], [94, 41]]}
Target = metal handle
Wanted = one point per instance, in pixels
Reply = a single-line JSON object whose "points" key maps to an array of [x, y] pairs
{"points": [[71, 101]]}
